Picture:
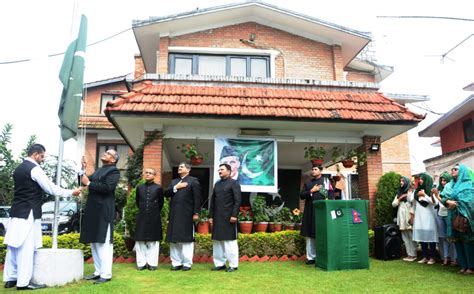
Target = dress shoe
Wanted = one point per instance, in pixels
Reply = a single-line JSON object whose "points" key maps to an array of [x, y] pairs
{"points": [[176, 268], [219, 268], [231, 269], [186, 268], [423, 260], [91, 277], [152, 268], [140, 268], [32, 286], [101, 281], [310, 261], [10, 284]]}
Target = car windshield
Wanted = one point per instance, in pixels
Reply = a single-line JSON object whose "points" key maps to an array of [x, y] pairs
{"points": [[64, 207]]}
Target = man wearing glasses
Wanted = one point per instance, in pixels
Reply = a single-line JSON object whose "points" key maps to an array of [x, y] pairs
{"points": [[99, 217], [148, 232], [185, 204]]}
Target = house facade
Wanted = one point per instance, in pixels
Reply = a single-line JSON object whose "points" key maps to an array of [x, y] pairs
{"points": [[223, 71]]}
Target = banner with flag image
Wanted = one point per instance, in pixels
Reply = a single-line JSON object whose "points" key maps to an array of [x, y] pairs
{"points": [[253, 162], [71, 76]]}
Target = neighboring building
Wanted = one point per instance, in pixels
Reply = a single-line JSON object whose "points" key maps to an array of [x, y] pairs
{"points": [[455, 130], [223, 70]]}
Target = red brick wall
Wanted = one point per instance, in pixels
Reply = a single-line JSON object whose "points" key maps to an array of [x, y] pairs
{"points": [[90, 153], [396, 155], [93, 97], [355, 76], [301, 58], [452, 137], [139, 67], [162, 63], [152, 156], [369, 174]]}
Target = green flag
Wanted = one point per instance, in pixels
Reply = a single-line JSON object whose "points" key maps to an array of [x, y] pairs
{"points": [[71, 76]]}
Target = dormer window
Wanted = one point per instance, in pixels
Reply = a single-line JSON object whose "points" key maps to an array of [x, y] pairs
{"points": [[468, 128], [220, 65], [104, 99]]}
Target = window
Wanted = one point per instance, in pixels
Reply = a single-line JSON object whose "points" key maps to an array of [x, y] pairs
{"points": [[122, 150], [468, 127], [220, 65], [104, 99]]}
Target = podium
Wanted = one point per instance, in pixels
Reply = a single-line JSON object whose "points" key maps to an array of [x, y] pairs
{"points": [[342, 234]]}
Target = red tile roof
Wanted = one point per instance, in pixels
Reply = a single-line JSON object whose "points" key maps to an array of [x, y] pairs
{"points": [[94, 122], [342, 105]]}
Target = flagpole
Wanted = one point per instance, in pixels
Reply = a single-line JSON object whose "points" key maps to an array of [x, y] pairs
{"points": [[56, 198]]}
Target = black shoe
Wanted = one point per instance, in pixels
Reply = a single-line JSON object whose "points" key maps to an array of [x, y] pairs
{"points": [[186, 268], [91, 277], [218, 268], [152, 268], [312, 261], [140, 268], [10, 284], [231, 269], [32, 286], [176, 268], [101, 281]]}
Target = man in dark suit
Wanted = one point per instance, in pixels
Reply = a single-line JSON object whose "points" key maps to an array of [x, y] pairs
{"points": [[314, 189], [148, 232], [23, 235], [185, 204], [225, 203], [98, 226]]}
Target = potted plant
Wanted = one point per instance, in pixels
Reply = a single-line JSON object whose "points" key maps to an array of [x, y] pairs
{"points": [[315, 154], [348, 158], [260, 217], [278, 220], [245, 221], [203, 223], [297, 218], [192, 154]]}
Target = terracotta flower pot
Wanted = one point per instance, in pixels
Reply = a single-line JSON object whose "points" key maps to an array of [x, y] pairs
{"points": [[289, 227], [336, 178], [245, 227], [275, 227], [203, 227], [298, 226], [348, 163], [317, 161], [196, 160], [260, 227]]}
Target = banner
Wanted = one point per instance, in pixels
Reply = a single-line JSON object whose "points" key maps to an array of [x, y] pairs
{"points": [[253, 163]]}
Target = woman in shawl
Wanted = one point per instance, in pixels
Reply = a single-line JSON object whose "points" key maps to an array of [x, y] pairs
{"points": [[447, 249], [424, 226], [461, 202], [404, 200]]}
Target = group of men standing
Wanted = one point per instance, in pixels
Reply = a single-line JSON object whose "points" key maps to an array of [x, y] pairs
{"points": [[185, 204]]}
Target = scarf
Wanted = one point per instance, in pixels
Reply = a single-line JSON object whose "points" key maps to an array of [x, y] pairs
{"points": [[426, 186], [445, 175], [404, 189]]}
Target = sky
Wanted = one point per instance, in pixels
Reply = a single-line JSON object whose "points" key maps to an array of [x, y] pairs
{"points": [[413, 46]]}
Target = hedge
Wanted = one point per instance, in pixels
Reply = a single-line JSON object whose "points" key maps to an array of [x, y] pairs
{"points": [[261, 244]]}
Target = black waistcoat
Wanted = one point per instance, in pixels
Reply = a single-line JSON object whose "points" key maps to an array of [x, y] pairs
{"points": [[28, 193]]}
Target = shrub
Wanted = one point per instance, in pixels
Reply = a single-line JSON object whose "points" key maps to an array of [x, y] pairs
{"points": [[386, 189]]}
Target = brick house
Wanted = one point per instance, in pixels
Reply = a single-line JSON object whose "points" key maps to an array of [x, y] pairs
{"points": [[455, 130], [223, 70]]}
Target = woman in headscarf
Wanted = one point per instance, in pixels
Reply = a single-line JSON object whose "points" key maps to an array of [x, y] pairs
{"points": [[461, 203], [447, 249], [404, 200], [424, 226]]}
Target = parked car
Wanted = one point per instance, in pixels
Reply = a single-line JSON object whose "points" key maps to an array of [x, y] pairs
{"points": [[4, 218], [69, 217]]}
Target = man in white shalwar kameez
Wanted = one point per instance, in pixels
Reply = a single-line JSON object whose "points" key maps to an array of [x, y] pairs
{"points": [[23, 235]]}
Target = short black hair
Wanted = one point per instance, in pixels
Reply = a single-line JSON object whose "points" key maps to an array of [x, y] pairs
{"points": [[320, 167], [36, 148], [227, 166]]}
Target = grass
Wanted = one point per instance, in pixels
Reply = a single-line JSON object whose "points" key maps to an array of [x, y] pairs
{"points": [[278, 277]]}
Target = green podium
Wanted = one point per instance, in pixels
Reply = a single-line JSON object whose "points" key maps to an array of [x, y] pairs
{"points": [[342, 235]]}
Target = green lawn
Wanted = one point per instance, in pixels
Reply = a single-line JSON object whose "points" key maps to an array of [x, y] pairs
{"points": [[279, 277]]}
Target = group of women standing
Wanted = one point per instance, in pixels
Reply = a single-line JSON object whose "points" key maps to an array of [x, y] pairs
{"points": [[442, 214]]}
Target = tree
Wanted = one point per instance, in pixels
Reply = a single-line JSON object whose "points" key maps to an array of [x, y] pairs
{"points": [[7, 166], [387, 187]]}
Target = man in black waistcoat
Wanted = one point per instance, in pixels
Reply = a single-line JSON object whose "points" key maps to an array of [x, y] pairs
{"points": [[312, 191], [185, 204], [225, 203], [148, 232], [23, 235], [98, 226]]}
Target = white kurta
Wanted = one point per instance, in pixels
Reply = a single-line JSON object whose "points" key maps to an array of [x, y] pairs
{"points": [[403, 213], [424, 227]]}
